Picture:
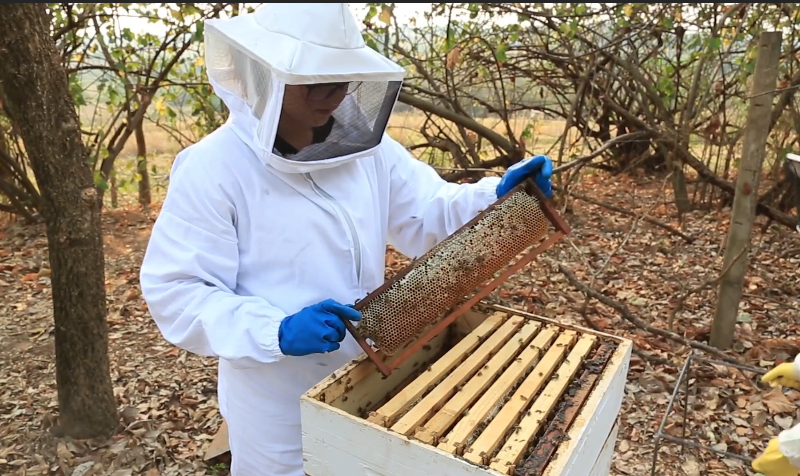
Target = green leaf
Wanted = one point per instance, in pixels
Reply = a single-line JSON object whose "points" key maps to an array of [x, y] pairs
{"points": [[528, 132], [501, 53], [99, 181], [373, 10], [744, 317], [372, 43], [450, 40], [199, 31], [573, 27], [216, 103]]}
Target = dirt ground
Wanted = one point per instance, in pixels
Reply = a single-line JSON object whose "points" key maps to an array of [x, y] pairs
{"points": [[167, 397]]}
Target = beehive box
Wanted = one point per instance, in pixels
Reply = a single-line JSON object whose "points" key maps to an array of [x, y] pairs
{"points": [[499, 393]]}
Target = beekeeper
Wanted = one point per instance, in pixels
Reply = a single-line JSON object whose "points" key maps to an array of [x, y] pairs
{"points": [[782, 455], [274, 224], [792, 167]]}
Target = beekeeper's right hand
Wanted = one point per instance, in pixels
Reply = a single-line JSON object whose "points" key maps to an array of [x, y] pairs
{"points": [[784, 375], [315, 329]]}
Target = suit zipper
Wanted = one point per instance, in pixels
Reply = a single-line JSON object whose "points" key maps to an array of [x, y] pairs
{"points": [[348, 220]]}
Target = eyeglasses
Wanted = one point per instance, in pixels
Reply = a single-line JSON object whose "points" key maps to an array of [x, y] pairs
{"points": [[323, 91]]}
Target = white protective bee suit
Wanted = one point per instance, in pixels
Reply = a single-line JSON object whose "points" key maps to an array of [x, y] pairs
{"points": [[248, 236], [792, 166]]}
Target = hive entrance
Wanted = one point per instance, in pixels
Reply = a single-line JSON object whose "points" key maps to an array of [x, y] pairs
{"points": [[428, 295], [504, 396]]}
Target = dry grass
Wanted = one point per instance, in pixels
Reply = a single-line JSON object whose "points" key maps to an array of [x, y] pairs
{"points": [[403, 127], [168, 395]]}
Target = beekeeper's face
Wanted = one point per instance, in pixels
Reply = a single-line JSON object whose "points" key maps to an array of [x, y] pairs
{"points": [[313, 104]]}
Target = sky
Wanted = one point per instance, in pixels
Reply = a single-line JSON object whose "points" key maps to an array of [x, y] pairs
{"points": [[403, 12]]}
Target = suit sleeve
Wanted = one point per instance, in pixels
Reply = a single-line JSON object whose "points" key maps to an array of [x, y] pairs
{"points": [[189, 273], [424, 209]]}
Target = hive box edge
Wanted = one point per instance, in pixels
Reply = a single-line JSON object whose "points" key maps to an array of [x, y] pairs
{"points": [[336, 443], [596, 420]]}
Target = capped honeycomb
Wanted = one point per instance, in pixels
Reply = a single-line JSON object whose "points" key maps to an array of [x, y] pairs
{"points": [[424, 292]]}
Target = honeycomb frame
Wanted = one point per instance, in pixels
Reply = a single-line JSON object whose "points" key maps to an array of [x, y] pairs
{"points": [[426, 296]]}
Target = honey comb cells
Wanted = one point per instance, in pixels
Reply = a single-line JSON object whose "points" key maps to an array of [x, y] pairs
{"points": [[426, 290]]}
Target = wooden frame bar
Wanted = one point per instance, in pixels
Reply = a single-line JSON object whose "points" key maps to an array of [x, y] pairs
{"points": [[479, 413], [457, 438], [514, 448], [389, 412], [423, 410]]}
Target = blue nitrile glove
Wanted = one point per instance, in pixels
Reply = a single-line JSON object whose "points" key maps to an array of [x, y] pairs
{"points": [[540, 167], [315, 329]]}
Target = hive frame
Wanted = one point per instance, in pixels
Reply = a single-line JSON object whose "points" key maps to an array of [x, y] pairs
{"points": [[381, 360]]}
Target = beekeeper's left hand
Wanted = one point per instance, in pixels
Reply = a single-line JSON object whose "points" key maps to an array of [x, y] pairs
{"points": [[539, 167], [773, 463], [783, 375]]}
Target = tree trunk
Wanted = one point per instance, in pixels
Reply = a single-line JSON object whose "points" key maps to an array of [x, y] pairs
{"points": [[145, 197], [36, 92], [745, 198], [682, 202], [112, 187]]}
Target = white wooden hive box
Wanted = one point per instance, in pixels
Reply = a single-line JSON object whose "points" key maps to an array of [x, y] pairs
{"points": [[497, 394]]}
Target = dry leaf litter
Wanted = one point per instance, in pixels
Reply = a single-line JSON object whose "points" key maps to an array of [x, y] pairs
{"points": [[167, 397]]}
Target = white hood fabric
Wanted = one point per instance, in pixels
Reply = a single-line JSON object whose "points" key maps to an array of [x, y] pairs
{"points": [[256, 56], [243, 240]]}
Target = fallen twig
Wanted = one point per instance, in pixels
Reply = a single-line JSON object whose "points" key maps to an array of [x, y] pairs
{"points": [[652, 358], [630, 317], [634, 225], [623, 211], [790, 252]]}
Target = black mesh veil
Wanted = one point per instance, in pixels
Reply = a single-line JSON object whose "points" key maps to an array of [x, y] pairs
{"points": [[348, 117], [356, 125]]}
